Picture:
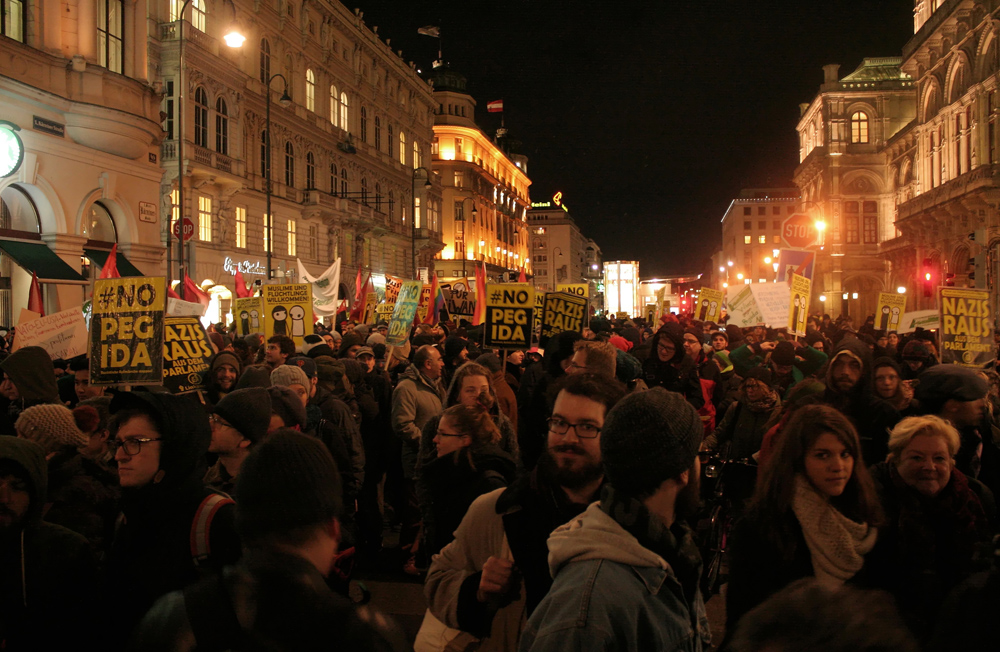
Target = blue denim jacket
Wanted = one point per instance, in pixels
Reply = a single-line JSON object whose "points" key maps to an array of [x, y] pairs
{"points": [[610, 593]]}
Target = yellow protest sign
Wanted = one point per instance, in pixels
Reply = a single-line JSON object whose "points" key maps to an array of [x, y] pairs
{"points": [[403, 314], [187, 353], [966, 326], [247, 312], [425, 299], [798, 306], [288, 310], [509, 308], [392, 286], [536, 325], [709, 304], [562, 312], [126, 331], [371, 301], [890, 310], [579, 289]]}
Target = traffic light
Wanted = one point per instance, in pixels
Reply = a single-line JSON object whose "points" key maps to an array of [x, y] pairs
{"points": [[949, 279], [927, 277]]}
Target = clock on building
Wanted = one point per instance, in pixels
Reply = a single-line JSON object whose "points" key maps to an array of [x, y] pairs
{"points": [[11, 148]]}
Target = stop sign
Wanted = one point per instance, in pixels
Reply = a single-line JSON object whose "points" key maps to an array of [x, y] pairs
{"points": [[188, 226], [799, 231]]}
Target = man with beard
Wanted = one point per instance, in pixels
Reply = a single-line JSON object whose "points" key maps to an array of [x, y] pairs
{"points": [[627, 570], [495, 572]]}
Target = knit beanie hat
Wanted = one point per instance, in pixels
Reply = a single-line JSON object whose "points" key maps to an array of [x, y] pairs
{"points": [[229, 358], [783, 354], [50, 426], [309, 342], [725, 364], [287, 405], [248, 410], [254, 376], [289, 481], [647, 438], [885, 361], [289, 374]]}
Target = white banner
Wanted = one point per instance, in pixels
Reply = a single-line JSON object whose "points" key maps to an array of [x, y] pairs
{"points": [[63, 334], [324, 288]]}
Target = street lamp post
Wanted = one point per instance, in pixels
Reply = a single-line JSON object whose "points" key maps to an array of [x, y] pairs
{"points": [[474, 214], [233, 39], [284, 101], [413, 213]]}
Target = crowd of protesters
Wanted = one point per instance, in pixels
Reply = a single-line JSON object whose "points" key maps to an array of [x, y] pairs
{"points": [[550, 498]]}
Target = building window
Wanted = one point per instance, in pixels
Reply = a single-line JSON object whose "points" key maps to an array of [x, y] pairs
{"points": [[241, 227], [402, 148], [459, 179], [416, 212], [364, 191], [343, 181], [205, 219], [392, 204], [292, 245], [388, 140], [378, 132], [313, 241], [344, 112], [775, 224], [289, 164], [198, 14], [267, 233], [168, 110], [416, 155], [265, 61], [851, 223], [747, 210], [761, 225], [333, 105], [762, 210], [870, 222], [110, 28], [776, 239], [200, 117], [310, 171], [364, 124], [747, 225], [333, 178], [265, 155], [221, 127], [378, 197], [12, 23], [310, 90], [859, 127], [776, 210], [746, 239], [762, 239]]}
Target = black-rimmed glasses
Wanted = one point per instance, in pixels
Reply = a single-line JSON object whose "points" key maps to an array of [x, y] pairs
{"points": [[583, 430], [132, 445]]}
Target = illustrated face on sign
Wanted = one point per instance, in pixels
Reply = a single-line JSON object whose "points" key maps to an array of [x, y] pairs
{"points": [[279, 313], [297, 313], [244, 315]]}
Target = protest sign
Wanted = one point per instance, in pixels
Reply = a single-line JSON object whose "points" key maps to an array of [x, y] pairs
{"points": [[405, 311], [187, 354], [509, 308], [383, 311], [536, 323], [579, 289], [247, 312], [371, 300], [126, 331], [926, 319], [181, 308], [462, 302], [772, 300], [798, 308], [966, 327], [287, 310], [393, 284], [63, 334], [890, 310], [709, 304], [425, 300], [562, 312], [743, 308]]}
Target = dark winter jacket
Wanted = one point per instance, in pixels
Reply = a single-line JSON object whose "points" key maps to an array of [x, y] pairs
{"points": [[807, 362], [679, 374], [83, 497], [339, 418], [744, 426]]}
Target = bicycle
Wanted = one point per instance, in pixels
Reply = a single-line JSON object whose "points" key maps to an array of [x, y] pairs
{"points": [[732, 483]]}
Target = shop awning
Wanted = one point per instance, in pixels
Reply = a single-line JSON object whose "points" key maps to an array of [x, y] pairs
{"points": [[125, 266], [38, 258]]}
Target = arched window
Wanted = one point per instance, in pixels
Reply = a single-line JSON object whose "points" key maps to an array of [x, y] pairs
{"points": [[364, 124], [333, 105], [221, 126], [198, 18], [416, 155], [402, 148], [289, 164], [17, 211], [99, 225], [378, 132], [200, 117], [859, 127], [265, 161], [310, 171], [364, 191], [343, 181], [344, 122], [388, 140], [333, 178], [310, 90], [265, 61]]}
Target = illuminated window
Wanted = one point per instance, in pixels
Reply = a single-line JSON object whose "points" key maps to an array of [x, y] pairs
{"points": [[267, 233], [289, 164], [776, 239], [110, 28], [459, 180], [241, 227], [746, 239], [859, 127], [852, 223], [310, 89], [198, 14], [292, 245], [200, 117], [333, 105], [762, 239], [870, 222], [12, 25], [416, 155], [175, 208], [416, 212], [310, 171], [344, 111], [221, 126], [402, 148], [205, 219], [265, 61]]}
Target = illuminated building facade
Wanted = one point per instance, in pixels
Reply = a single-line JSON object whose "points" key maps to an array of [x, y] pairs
{"points": [[846, 181], [484, 189], [348, 155], [558, 247], [621, 288], [751, 233]]}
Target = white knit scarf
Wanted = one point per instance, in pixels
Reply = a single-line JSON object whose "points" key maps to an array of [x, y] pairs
{"points": [[836, 543]]}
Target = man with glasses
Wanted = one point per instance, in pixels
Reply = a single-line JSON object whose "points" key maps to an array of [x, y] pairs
{"points": [[172, 528], [495, 572], [239, 421]]}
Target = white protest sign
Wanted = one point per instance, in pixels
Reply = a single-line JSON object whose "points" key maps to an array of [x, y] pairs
{"points": [[772, 299], [742, 308], [181, 308], [63, 334]]}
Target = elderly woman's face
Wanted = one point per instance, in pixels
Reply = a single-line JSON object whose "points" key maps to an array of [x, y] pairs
{"points": [[925, 464]]}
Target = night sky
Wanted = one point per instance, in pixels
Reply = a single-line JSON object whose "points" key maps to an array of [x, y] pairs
{"points": [[648, 116]]}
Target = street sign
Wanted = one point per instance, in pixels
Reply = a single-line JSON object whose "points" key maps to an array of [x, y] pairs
{"points": [[188, 228], [799, 231]]}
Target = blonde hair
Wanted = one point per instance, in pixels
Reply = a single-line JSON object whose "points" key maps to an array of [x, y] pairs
{"points": [[602, 357], [930, 425]]}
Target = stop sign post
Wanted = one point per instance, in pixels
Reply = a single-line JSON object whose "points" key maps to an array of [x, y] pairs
{"points": [[799, 231], [188, 227]]}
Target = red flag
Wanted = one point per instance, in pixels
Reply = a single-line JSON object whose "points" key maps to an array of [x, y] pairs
{"points": [[433, 303], [521, 278], [194, 294], [242, 291], [35, 303], [496, 106], [172, 294], [480, 315], [358, 285], [358, 312], [110, 269]]}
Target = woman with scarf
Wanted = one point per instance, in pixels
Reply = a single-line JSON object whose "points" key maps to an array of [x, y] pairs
{"points": [[935, 518], [814, 513], [745, 422]]}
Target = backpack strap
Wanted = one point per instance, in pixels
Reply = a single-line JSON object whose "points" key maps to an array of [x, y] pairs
{"points": [[201, 526]]}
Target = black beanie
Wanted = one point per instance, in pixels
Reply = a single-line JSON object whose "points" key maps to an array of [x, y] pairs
{"points": [[248, 410], [287, 405], [287, 482]]}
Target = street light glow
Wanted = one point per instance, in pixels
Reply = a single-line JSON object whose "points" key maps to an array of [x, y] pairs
{"points": [[901, 290], [820, 225], [767, 260], [234, 38], [722, 269], [740, 276], [730, 263]]}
